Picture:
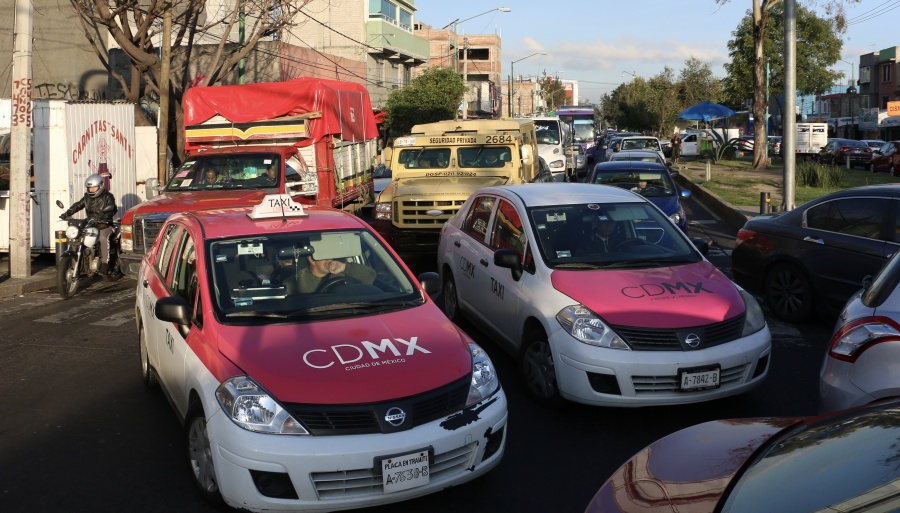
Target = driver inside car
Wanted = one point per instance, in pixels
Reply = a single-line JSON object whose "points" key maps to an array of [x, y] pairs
{"points": [[322, 271]]}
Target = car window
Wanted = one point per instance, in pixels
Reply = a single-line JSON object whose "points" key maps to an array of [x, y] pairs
{"points": [[234, 171], [508, 232], [168, 242], [184, 272], [861, 217], [477, 218]]}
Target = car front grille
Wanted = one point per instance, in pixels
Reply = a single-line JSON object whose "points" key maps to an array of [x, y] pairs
{"points": [[357, 419], [648, 385], [145, 230], [347, 484], [414, 213], [667, 339]]}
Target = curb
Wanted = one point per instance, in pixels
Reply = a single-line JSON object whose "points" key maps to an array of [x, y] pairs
{"points": [[41, 280], [729, 212]]}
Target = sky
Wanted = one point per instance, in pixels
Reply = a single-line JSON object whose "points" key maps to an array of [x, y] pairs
{"points": [[602, 43]]}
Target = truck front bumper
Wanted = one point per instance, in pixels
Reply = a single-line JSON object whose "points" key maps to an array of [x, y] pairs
{"points": [[418, 240]]}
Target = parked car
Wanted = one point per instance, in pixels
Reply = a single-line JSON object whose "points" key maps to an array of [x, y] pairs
{"points": [[864, 351], [651, 180], [813, 258], [309, 368], [837, 151], [745, 144], [846, 461], [874, 143], [886, 158], [599, 297], [774, 145]]}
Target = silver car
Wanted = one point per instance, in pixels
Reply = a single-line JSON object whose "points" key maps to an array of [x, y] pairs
{"points": [[863, 359]]}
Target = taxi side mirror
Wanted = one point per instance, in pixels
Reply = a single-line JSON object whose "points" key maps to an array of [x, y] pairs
{"points": [[702, 245], [172, 309], [509, 259], [431, 282]]}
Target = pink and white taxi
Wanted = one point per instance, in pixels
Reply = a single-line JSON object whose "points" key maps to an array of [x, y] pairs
{"points": [[600, 297], [311, 371]]}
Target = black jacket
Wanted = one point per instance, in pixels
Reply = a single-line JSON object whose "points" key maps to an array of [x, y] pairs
{"points": [[96, 208]]}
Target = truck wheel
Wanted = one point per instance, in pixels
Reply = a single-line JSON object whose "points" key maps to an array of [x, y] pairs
{"points": [[199, 456], [788, 293]]}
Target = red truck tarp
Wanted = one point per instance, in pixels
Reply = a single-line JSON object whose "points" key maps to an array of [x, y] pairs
{"points": [[345, 106]]}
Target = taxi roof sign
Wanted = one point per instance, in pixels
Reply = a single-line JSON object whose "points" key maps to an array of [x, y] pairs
{"points": [[277, 205]]}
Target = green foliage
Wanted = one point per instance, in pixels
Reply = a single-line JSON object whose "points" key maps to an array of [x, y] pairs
{"points": [[818, 175], [813, 60], [432, 96], [553, 90]]}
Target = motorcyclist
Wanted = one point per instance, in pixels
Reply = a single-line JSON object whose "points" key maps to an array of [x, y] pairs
{"points": [[99, 205]]}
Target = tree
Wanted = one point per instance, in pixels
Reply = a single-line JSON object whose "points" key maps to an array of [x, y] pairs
{"points": [[762, 9], [136, 29], [553, 91], [432, 96]]}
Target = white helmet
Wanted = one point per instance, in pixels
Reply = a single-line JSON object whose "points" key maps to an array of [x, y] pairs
{"points": [[94, 180]]}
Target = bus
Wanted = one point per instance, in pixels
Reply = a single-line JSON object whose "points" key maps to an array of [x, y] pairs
{"points": [[581, 119]]}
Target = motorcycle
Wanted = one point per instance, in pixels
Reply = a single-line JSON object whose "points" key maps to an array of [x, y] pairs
{"points": [[81, 259]]}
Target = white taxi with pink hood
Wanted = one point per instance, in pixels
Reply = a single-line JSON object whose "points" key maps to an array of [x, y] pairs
{"points": [[311, 370], [600, 297]]}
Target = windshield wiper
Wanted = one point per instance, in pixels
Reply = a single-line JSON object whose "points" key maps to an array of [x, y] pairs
{"points": [[359, 305], [655, 262], [579, 265], [254, 313]]}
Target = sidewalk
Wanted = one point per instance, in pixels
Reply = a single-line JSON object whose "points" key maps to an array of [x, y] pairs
{"points": [[43, 276]]}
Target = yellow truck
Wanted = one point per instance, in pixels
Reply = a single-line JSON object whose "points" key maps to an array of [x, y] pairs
{"points": [[437, 166]]}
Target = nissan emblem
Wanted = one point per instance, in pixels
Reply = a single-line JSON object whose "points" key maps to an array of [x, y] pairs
{"points": [[692, 340], [395, 416]]}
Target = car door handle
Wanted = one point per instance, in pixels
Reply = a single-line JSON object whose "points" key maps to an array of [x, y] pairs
{"points": [[813, 239], [457, 243], [484, 262]]}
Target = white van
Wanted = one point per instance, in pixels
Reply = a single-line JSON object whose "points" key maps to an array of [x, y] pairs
{"points": [[553, 136]]}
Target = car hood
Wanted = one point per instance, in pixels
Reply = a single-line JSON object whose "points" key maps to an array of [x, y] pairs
{"points": [[199, 200], [679, 296], [358, 360], [688, 470]]}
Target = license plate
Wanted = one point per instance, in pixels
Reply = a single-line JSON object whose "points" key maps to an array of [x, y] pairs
{"points": [[699, 379], [405, 471]]}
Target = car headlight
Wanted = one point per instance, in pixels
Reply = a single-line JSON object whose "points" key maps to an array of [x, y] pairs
{"points": [[484, 376], [586, 327], [677, 217], [754, 320], [556, 164], [383, 211], [252, 408], [72, 232]]}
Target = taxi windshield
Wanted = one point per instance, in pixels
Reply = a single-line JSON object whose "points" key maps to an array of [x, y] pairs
{"points": [[609, 235], [307, 275], [237, 171]]}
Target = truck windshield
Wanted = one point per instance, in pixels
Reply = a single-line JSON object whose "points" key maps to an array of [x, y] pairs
{"points": [[483, 156], [422, 158], [237, 171]]}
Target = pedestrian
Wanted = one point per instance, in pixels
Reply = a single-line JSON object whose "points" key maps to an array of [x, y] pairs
{"points": [[675, 143]]}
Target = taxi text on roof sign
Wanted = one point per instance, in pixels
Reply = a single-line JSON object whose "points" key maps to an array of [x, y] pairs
{"points": [[277, 205]]}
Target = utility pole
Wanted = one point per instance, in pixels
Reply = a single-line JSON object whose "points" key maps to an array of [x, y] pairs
{"points": [[789, 120], [465, 109], [164, 70], [20, 144]]}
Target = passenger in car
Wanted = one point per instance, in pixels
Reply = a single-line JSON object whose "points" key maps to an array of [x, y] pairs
{"points": [[322, 271], [603, 236]]}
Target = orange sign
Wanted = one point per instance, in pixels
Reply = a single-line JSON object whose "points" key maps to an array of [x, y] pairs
{"points": [[893, 108]]}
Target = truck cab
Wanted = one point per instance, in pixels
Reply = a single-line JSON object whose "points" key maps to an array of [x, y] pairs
{"points": [[437, 167]]}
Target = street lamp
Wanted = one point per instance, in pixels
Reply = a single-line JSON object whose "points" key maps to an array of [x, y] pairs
{"points": [[632, 74], [455, 24], [512, 73]]}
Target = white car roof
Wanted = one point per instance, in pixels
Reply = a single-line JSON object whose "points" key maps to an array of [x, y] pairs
{"points": [[635, 152], [545, 194]]}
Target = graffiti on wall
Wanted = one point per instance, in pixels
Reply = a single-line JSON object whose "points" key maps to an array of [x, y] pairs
{"points": [[71, 91]]}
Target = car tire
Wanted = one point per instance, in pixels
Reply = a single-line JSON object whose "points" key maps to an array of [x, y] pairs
{"points": [[538, 371], [199, 456], [834, 161], [788, 294], [892, 170], [872, 168], [451, 299], [147, 370]]}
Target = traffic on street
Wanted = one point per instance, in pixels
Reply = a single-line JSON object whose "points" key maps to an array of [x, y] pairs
{"points": [[87, 423]]}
